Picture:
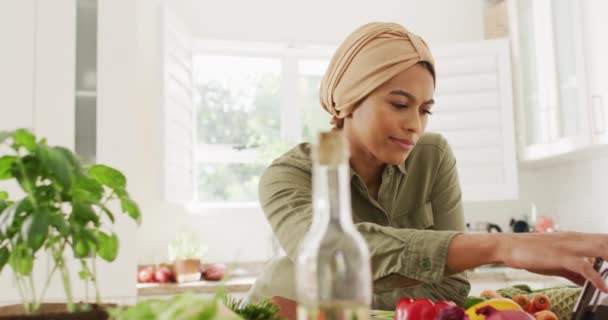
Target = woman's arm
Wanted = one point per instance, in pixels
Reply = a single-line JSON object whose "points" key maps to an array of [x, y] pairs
{"points": [[565, 254], [285, 196]]}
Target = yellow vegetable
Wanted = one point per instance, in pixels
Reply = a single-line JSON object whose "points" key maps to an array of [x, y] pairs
{"points": [[498, 304]]}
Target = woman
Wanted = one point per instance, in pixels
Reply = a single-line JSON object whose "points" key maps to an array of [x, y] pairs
{"points": [[406, 197]]}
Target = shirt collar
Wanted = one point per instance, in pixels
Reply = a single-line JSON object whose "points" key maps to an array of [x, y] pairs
{"points": [[400, 166]]}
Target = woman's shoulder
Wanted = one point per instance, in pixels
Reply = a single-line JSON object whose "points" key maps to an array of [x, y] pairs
{"points": [[297, 159], [299, 154], [293, 169], [433, 140], [431, 148]]}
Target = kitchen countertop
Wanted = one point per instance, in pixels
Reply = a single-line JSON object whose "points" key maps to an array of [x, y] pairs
{"points": [[504, 273], [237, 284], [242, 284]]}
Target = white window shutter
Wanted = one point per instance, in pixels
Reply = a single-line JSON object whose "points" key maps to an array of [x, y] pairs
{"points": [[178, 110], [474, 111]]}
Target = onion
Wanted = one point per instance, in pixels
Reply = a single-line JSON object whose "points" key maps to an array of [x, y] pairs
{"points": [[451, 313]]}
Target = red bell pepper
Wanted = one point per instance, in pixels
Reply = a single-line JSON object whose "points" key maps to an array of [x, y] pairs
{"points": [[419, 309]]}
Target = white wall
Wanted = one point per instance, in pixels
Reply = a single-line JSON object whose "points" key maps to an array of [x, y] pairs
{"points": [[328, 22], [245, 235], [572, 192], [38, 79], [575, 193]]}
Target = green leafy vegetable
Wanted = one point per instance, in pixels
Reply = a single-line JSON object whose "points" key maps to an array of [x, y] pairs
{"points": [[66, 206]]}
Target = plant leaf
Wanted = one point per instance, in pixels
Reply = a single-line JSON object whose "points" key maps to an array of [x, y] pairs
{"points": [[25, 205], [131, 208], [22, 260], [84, 274], [107, 212], [6, 163], [56, 165], [3, 205], [4, 255], [87, 188], [108, 176], [72, 159], [91, 236], [3, 195], [7, 217], [58, 222], [80, 247], [35, 229], [84, 212], [26, 170], [108, 246], [44, 194], [25, 139]]}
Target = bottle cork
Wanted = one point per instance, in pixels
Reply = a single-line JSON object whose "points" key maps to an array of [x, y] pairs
{"points": [[332, 148]]}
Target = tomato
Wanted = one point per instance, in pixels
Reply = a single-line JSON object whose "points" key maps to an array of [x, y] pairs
{"points": [[420, 309], [400, 308], [146, 275]]}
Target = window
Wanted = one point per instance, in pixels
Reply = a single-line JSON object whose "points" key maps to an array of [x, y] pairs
{"points": [[314, 117], [229, 109], [252, 103]]}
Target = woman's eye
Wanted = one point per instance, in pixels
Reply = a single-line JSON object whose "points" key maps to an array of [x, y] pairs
{"points": [[399, 105], [405, 106]]}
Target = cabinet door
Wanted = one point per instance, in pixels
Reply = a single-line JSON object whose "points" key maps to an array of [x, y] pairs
{"points": [[475, 114], [551, 77], [17, 63], [37, 74], [118, 121], [596, 48], [54, 84], [17, 83]]}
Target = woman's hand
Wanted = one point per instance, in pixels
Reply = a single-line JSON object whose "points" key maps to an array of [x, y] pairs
{"points": [[565, 254]]}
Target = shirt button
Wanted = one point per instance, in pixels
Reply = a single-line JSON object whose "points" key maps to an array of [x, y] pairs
{"points": [[464, 292], [425, 264]]}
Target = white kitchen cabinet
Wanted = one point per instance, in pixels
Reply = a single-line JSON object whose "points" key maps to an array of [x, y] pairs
{"points": [[17, 31], [37, 77], [16, 62], [40, 90], [475, 113], [595, 25], [560, 76], [551, 81]]}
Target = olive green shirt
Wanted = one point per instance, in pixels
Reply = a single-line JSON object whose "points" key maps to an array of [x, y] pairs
{"points": [[408, 229]]}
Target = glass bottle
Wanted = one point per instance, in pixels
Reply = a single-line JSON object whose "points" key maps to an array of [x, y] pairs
{"points": [[333, 272]]}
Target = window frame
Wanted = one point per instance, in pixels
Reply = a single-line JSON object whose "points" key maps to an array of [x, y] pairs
{"points": [[289, 55]]}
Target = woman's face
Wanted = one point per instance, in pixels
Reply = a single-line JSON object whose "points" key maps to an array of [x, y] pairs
{"points": [[385, 127]]}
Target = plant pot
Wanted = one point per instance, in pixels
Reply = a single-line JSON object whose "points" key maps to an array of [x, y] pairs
{"points": [[187, 270], [54, 311]]}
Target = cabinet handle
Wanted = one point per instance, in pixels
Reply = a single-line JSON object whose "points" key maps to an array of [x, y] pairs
{"points": [[599, 120]]}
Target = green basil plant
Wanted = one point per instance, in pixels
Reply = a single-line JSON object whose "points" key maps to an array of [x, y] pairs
{"points": [[65, 210]]}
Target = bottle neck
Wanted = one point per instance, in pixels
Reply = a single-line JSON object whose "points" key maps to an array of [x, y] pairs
{"points": [[331, 196]]}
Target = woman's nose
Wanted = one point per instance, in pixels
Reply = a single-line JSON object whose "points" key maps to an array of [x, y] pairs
{"points": [[412, 122]]}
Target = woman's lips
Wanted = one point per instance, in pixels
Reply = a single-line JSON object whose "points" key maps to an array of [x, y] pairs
{"points": [[405, 144]]}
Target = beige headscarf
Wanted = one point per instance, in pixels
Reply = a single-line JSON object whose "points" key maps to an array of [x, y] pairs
{"points": [[371, 55]]}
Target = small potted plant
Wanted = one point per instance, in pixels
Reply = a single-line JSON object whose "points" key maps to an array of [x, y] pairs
{"points": [[186, 252], [65, 210]]}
